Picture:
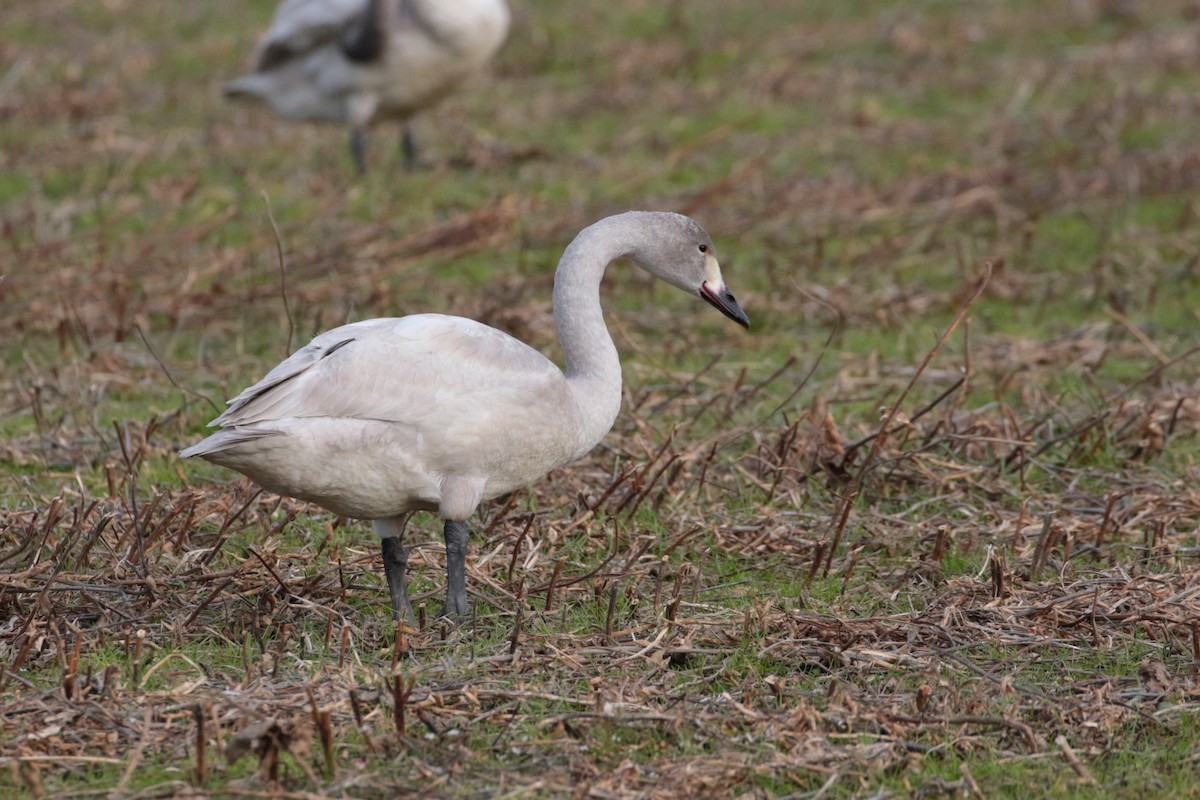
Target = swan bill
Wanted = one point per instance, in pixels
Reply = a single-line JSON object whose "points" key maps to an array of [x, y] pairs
{"points": [[722, 299]]}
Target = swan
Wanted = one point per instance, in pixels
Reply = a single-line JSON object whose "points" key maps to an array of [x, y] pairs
{"points": [[380, 418], [351, 61]]}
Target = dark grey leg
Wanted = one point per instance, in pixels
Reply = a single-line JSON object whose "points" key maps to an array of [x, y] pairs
{"points": [[408, 144], [395, 564], [358, 149], [456, 535]]}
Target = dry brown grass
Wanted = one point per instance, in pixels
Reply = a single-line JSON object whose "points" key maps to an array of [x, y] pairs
{"points": [[775, 577]]}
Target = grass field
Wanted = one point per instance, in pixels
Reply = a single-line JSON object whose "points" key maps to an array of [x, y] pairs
{"points": [[929, 528]]}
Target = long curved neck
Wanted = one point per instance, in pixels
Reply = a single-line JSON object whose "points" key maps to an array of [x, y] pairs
{"points": [[593, 368]]}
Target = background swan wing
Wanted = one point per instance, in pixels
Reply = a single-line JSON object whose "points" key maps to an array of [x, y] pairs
{"points": [[300, 26]]}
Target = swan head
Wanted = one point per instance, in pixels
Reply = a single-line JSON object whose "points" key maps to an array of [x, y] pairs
{"points": [[680, 252]]}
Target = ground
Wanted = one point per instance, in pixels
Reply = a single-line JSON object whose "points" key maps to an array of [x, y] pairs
{"points": [[929, 528]]}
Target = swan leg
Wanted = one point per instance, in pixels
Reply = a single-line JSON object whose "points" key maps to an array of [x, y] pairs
{"points": [[358, 149], [408, 145], [456, 535], [395, 566]]}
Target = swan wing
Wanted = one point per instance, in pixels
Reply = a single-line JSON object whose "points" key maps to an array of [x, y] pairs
{"points": [[423, 370], [301, 26]]}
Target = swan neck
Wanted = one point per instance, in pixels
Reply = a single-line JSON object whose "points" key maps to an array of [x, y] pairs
{"points": [[593, 368]]}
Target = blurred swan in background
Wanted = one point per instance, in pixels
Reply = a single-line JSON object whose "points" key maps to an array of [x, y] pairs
{"points": [[355, 61]]}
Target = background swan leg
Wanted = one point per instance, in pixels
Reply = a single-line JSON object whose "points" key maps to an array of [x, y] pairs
{"points": [[408, 145], [358, 149]]}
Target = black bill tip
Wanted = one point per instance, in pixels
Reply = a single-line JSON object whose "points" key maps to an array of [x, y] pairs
{"points": [[724, 302]]}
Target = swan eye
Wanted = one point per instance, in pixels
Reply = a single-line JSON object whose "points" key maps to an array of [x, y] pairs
{"points": [[703, 248]]}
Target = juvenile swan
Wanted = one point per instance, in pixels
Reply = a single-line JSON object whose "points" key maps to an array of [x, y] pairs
{"points": [[380, 418], [351, 61]]}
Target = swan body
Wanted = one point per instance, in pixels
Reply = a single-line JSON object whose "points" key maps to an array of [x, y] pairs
{"points": [[406, 405], [384, 417], [354, 61]]}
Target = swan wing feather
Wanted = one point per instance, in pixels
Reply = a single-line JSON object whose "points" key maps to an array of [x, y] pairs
{"points": [[413, 370], [301, 26]]}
